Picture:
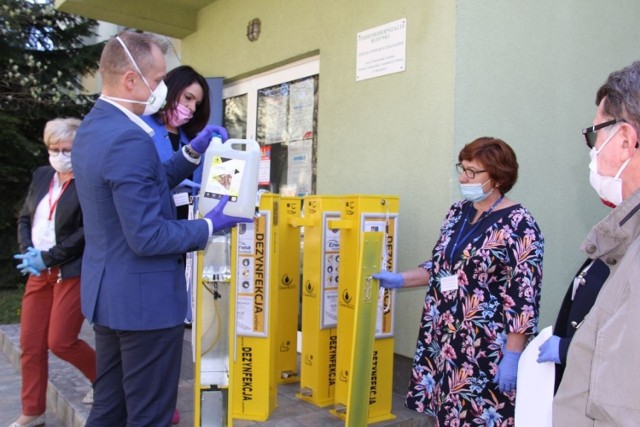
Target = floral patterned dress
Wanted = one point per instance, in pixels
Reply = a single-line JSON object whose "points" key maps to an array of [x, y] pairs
{"points": [[498, 264]]}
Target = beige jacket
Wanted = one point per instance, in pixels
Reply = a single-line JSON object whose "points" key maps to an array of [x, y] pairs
{"points": [[601, 384]]}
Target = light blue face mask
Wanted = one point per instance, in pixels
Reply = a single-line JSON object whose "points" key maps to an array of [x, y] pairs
{"points": [[474, 192]]}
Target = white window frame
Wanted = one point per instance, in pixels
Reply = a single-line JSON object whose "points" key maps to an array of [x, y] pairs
{"points": [[251, 85]]}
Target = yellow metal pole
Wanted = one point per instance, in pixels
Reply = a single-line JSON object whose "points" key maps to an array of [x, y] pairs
{"points": [[196, 337], [365, 304]]}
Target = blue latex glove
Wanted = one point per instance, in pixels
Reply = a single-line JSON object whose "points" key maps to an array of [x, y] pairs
{"points": [[389, 280], [201, 142], [222, 221], [550, 350], [25, 267], [507, 375], [191, 184], [29, 270], [36, 260], [31, 262]]}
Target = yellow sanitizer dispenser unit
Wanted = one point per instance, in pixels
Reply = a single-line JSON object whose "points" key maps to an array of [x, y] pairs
{"points": [[320, 260], [265, 262], [287, 261], [252, 354], [246, 310], [361, 215], [210, 332]]}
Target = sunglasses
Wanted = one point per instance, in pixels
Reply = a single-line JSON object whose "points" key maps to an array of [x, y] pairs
{"points": [[590, 134]]}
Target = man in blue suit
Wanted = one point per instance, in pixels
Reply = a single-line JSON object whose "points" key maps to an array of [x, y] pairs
{"points": [[133, 288]]}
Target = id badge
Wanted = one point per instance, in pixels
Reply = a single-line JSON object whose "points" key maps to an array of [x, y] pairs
{"points": [[181, 199], [449, 283], [49, 232]]}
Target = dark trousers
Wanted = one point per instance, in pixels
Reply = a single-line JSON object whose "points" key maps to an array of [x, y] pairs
{"points": [[137, 380]]}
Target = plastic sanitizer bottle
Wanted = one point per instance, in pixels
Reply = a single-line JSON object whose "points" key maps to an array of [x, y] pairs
{"points": [[229, 170]]}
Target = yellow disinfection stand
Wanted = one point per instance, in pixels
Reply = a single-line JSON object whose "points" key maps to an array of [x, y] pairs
{"points": [[247, 308], [210, 332], [287, 262], [265, 263], [252, 354], [321, 257], [361, 214]]}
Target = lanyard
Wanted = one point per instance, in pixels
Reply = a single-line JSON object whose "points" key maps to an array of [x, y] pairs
{"points": [[460, 240], [52, 204]]}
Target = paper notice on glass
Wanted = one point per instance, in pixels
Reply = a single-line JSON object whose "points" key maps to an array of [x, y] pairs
{"points": [[301, 110], [534, 395], [272, 114], [299, 172]]}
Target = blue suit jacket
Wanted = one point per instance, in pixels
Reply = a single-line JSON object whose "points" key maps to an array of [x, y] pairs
{"points": [[132, 272]]}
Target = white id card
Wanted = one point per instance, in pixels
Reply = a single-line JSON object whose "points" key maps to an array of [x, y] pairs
{"points": [[181, 199], [449, 283]]}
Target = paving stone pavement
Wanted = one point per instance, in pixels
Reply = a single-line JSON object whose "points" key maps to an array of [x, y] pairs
{"points": [[67, 387]]}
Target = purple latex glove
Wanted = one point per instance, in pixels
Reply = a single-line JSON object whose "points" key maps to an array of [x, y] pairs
{"points": [[201, 142], [389, 280], [507, 375], [220, 220], [550, 350]]}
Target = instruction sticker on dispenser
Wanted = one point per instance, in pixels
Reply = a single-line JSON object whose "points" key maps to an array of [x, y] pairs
{"points": [[330, 263], [386, 224], [225, 178], [252, 277]]}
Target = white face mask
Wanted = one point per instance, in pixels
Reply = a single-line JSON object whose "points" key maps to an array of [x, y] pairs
{"points": [[474, 192], [156, 100], [157, 97], [608, 188], [61, 163]]}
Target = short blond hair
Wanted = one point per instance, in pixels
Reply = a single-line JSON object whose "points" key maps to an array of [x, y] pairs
{"points": [[58, 130], [114, 61]]}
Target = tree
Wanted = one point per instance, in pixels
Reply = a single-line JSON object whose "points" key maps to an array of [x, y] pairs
{"points": [[44, 54]]}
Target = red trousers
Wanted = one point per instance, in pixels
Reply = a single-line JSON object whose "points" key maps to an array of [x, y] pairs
{"points": [[50, 320]]}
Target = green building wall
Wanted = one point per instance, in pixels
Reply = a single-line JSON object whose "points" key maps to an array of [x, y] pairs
{"points": [[525, 71], [387, 135]]}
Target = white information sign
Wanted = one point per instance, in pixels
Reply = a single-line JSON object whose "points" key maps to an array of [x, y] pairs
{"points": [[534, 399], [381, 50]]}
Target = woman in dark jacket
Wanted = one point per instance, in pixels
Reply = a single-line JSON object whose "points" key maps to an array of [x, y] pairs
{"points": [[51, 239]]}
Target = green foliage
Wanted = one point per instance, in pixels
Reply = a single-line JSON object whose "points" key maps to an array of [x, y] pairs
{"points": [[44, 54], [10, 305]]}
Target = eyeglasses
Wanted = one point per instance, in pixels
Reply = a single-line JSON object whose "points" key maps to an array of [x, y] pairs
{"points": [[56, 152], [590, 134], [469, 172]]}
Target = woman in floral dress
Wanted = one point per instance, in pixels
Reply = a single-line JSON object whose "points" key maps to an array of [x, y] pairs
{"points": [[483, 293]]}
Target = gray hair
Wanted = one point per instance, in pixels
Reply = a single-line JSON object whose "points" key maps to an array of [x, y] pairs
{"points": [[621, 93], [58, 130]]}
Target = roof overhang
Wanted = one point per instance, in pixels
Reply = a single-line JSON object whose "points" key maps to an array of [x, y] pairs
{"points": [[173, 18]]}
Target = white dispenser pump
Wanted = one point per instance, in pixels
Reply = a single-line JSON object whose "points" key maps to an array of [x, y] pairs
{"points": [[233, 172]]}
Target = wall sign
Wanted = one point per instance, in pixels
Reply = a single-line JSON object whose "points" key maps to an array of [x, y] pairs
{"points": [[381, 50]]}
